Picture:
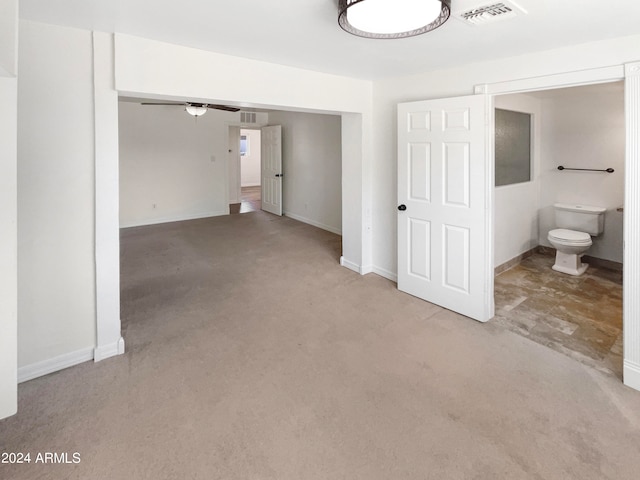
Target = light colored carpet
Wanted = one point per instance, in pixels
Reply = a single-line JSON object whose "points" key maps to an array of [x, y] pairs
{"points": [[251, 354]]}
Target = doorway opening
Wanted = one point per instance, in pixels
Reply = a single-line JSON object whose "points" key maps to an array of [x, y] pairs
{"points": [[580, 316], [248, 158]]}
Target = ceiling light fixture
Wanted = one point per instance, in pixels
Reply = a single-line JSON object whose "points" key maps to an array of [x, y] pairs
{"points": [[392, 18], [196, 109]]}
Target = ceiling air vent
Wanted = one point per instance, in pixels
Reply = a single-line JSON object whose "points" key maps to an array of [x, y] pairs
{"points": [[490, 13], [247, 117]]}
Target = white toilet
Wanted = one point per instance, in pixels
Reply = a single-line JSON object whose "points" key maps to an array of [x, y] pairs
{"points": [[578, 223]]}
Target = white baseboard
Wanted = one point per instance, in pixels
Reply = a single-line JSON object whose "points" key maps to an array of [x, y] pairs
{"points": [[251, 185], [302, 219], [350, 265], [385, 273], [38, 369], [631, 375], [368, 269], [365, 269], [174, 218], [105, 351]]}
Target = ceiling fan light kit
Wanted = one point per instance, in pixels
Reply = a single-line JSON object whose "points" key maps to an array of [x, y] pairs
{"points": [[195, 109], [392, 18]]}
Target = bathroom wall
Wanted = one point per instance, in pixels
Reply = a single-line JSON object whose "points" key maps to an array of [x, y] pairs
{"points": [[516, 206], [583, 127]]}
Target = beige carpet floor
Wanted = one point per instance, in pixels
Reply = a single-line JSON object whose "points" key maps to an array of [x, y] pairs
{"points": [[251, 354]]}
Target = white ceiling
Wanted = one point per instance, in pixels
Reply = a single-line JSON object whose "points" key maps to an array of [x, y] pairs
{"points": [[305, 33]]}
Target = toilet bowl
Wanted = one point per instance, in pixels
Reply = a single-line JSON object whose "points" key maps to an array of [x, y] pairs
{"points": [[576, 225], [570, 245]]}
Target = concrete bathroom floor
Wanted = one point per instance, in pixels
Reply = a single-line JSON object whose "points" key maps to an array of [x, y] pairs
{"points": [[578, 316]]}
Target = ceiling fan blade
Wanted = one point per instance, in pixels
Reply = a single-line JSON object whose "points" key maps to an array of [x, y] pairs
{"points": [[153, 103], [224, 107], [208, 105]]}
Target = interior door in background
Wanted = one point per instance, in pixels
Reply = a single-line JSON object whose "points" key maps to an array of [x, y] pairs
{"points": [[271, 144], [445, 249]]}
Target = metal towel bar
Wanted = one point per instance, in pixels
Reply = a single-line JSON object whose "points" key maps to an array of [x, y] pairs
{"points": [[608, 170]]}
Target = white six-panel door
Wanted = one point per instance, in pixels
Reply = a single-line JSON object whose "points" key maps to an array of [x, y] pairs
{"points": [[271, 144], [444, 188]]}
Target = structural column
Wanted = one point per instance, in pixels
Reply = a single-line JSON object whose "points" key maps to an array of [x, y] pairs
{"points": [[109, 341]]}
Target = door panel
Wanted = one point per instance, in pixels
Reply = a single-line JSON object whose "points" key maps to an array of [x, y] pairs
{"points": [[444, 179], [420, 168], [420, 261], [234, 165], [456, 255], [456, 174], [271, 143]]}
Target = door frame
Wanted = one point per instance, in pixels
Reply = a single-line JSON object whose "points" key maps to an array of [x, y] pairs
{"points": [[630, 74]]}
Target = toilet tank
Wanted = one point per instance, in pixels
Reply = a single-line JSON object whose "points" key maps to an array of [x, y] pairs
{"points": [[582, 218]]}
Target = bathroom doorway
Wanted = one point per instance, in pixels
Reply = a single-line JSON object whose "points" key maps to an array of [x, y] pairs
{"points": [[580, 316]]}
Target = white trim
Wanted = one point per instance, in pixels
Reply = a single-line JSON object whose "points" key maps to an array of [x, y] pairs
{"points": [[251, 185], [176, 218], [350, 265], [385, 273], [302, 219], [631, 375], [45, 367], [489, 207], [631, 244], [106, 351], [366, 269], [560, 80]]}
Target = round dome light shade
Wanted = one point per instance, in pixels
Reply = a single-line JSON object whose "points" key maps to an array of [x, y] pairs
{"points": [[392, 18], [196, 111]]}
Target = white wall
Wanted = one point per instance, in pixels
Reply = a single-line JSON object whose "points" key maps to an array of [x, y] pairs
{"points": [[57, 139], [516, 206], [8, 38], [56, 274], [312, 167], [250, 163], [454, 82], [146, 68], [172, 165], [56, 136], [584, 127], [8, 213]]}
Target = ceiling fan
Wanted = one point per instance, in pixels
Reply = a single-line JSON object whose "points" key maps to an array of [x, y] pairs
{"points": [[197, 109]]}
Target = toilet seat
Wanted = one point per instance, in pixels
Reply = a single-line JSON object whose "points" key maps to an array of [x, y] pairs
{"points": [[570, 237]]}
